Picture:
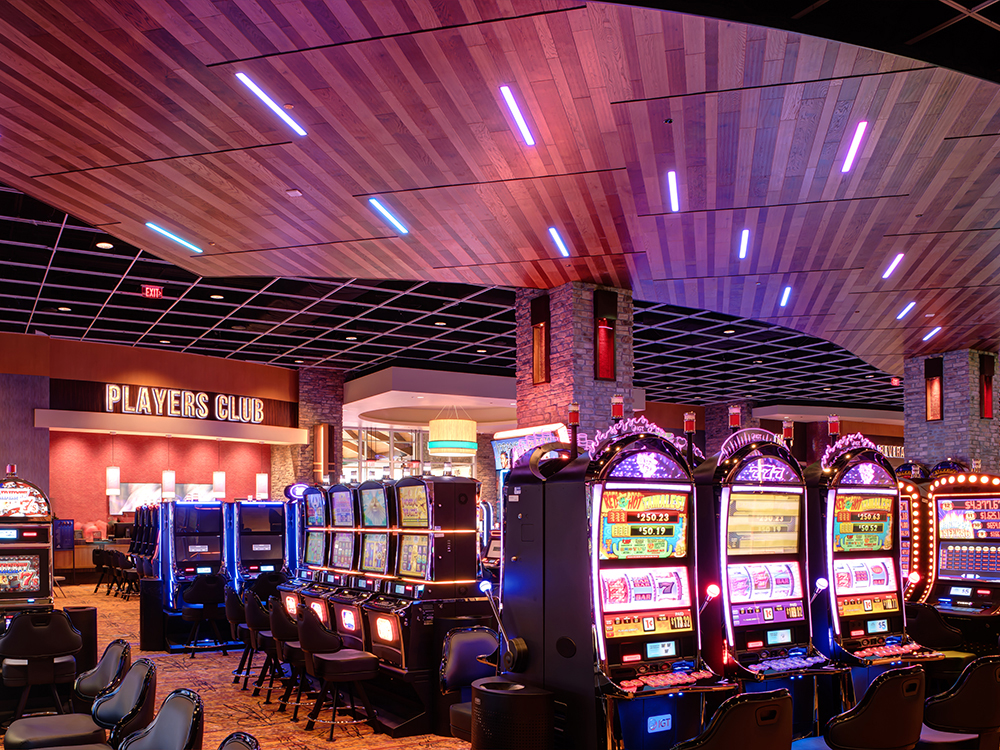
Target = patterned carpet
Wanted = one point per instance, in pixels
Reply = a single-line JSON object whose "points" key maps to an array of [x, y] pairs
{"points": [[227, 708]]}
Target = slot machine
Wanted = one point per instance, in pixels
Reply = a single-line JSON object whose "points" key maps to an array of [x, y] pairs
{"points": [[26, 577], [859, 621], [194, 545], [310, 587], [260, 538], [964, 581], [378, 543], [752, 526], [645, 584], [345, 600]]}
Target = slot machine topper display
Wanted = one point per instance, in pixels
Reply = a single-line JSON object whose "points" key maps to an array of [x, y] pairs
{"points": [[25, 545], [964, 580], [196, 544], [752, 506], [858, 553]]}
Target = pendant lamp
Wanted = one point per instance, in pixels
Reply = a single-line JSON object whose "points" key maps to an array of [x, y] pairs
{"points": [[113, 481], [452, 435]]}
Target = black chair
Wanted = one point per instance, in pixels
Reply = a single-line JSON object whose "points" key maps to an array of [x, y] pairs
{"points": [[110, 670], [333, 666], [751, 721], [967, 714], [460, 667], [236, 616], [261, 640], [888, 717], [38, 649], [240, 741], [266, 585], [929, 628], [124, 709], [285, 632], [100, 563], [204, 601]]}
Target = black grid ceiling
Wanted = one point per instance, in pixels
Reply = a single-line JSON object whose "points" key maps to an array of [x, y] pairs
{"points": [[681, 355]]}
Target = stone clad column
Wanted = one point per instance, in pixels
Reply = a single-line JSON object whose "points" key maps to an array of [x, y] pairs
{"points": [[321, 401], [717, 423], [572, 377], [962, 432]]}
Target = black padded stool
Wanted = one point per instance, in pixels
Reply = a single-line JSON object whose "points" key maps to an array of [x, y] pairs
{"points": [[110, 670], [751, 721], [38, 649], [237, 617], [927, 627], [460, 667], [334, 666], [967, 714], [261, 640], [204, 601], [285, 632]]}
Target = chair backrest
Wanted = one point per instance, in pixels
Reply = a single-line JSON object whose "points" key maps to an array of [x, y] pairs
{"points": [[266, 585], [115, 660], [888, 717], [972, 704], [240, 741], [179, 725], [208, 588], [283, 627], [39, 635], [459, 664], [257, 616], [927, 627], [235, 609], [314, 636], [750, 721], [130, 706]]}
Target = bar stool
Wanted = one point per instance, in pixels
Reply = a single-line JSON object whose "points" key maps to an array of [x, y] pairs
{"points": [[204, 600], [751, 721], [261, 640], [285, 632], [237, 617]]}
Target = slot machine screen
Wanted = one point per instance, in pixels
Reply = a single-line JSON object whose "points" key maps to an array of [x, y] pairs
{"points": [[20, 574], [968, 538], [315, 548], [262, 547], [413, 506], [764, 522], [645, 601], [343, 508], [865, 586], [414, 555], [343, 551], [374, 553], [765, 593], [192, 549], [256, 519], [642, 522], [315, 507], [862, 522], [197, 519], [374, 511]]}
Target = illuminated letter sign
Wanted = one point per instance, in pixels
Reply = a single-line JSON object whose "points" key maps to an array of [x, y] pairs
{"points": [[164, 402]]}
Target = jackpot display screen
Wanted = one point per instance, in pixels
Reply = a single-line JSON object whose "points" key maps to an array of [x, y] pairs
{"points": [[638, 523], [413, 555], [197, 519], [315, 507], [373, 507], [968, 562], [862, 522], [343, 550], [315, 548], [968, 518], [764, 522], [20, 574], [413, 506], [645, 601], [374, 553], [261, 519], [865, 586], [20, 499], [343, 508]]}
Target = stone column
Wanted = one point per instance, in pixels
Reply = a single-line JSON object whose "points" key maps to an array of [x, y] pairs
{"points": [[321, 401], [717, 423], [571, 373], [961, 433]]}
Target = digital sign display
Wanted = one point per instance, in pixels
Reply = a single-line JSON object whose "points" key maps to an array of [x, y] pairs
{"points": [[373, 507], [779, 637], [862, 522], [315, 548], [878, 626], [642, 524], [343, 550], [973, 562], [644, 588], [413, 555], [764, 582], [968, 518], [343, 508], [413, 506], [661, 649], [20, 574], [745, 615], [315, 508], [763, 523], [374, 553], [871, 575], [649, 622]]}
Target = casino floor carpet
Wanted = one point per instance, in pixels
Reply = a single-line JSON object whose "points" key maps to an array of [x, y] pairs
{"points": [[227, 708]]}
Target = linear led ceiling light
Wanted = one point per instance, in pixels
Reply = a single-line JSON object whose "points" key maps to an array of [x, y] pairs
{"points": [[554, 234], [515, 112], [785, 295], [675, 202], [744, 241], [270, 103], [931, 334], [902, 313], [389, 217], [172, 236], [853, 151], [892, 266]]}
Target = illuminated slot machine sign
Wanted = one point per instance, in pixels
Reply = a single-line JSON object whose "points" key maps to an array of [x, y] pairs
{"points": [[344, 542], [968, 543], [905, 542], [25, 544], [261, 528]]}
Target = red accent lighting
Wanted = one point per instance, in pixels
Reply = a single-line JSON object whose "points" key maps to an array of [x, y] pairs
{"points": [[631, 657], [755, 644], [689, 425], [735, 415], [894, 381], [152, 292]]}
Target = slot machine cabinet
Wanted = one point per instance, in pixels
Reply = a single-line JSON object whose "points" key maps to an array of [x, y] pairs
{"points": [[310, 582], [645, 584], [295, 529], [259, 538], [916, 538], [546, 591], [344, 600], [194, 545], [859, 619], [964, 581], [378, 543], [26, 577]]}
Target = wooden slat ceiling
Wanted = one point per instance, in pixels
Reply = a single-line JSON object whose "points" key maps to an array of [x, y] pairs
{"points": [[122, 112]]}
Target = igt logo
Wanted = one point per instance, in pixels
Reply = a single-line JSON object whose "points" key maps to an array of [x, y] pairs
{"points": [[659, 723]]}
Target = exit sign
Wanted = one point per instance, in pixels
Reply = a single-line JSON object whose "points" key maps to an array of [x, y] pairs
{"points": [[152, 292], [894, 381]]}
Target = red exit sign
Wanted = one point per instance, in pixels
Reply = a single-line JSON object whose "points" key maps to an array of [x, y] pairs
{"points": [[152, 292]]}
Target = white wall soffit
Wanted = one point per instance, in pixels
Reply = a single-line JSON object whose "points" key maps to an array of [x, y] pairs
{"points": [[411, 379], [819, 414], [134, 424]]}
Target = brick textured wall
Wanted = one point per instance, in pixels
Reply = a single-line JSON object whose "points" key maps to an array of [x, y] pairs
{"points": [[21, 442], [321, 401], [717, 423], [961, 434], [571, 308]]}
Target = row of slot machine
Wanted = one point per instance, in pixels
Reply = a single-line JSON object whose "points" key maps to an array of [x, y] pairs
{"points": [[391, 567], [744, 572]]}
